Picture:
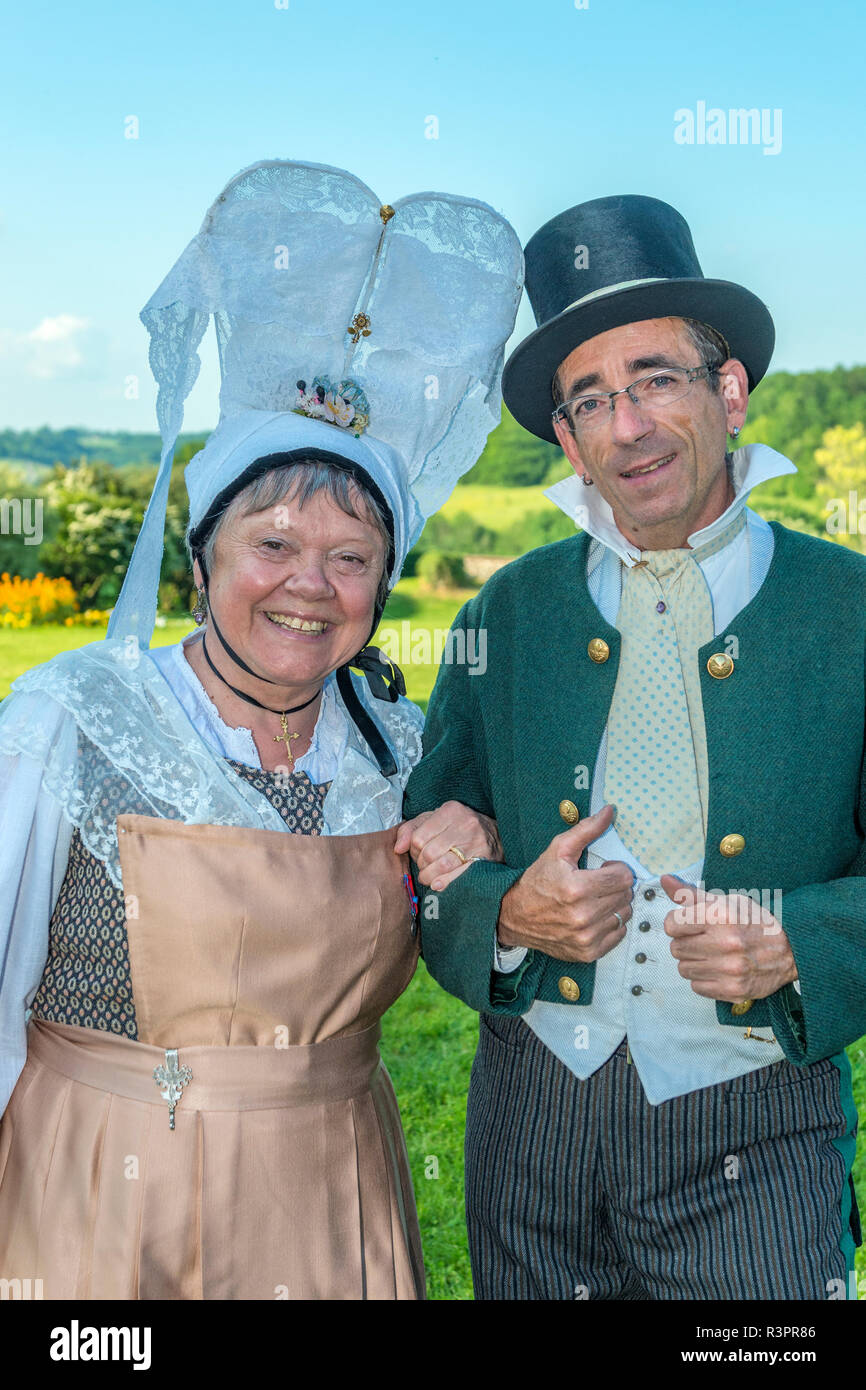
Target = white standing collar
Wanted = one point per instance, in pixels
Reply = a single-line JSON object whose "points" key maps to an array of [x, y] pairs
{"points": [[753, 464]]}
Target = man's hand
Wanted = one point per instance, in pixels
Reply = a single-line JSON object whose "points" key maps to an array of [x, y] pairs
{"points": [[568, 912], [728, 946], [432, 837]]}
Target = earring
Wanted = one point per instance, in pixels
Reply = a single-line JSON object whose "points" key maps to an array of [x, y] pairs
{"points": [[734, 432], [587, 482], [199, 612]]}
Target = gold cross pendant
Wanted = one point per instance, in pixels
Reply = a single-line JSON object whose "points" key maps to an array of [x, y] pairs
{"points": [[286, 738]]}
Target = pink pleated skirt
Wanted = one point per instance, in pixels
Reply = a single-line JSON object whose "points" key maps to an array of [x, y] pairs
{"points": [[285, 1177]]}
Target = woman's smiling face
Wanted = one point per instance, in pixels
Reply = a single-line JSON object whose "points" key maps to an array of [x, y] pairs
{"points": [[293, 588]]}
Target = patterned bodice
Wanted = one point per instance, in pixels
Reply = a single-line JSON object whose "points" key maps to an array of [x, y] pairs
{"points": [[86, 980]]}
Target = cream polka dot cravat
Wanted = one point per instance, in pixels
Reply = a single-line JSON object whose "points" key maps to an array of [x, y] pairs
{"points": [[656, 770]]}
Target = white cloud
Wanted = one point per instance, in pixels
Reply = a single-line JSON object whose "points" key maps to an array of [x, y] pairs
{"points": [[54, 345], [55, 330], [51, 349]]}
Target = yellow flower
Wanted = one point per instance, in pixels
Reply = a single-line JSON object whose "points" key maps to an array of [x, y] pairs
{"points": [[25, 601]]}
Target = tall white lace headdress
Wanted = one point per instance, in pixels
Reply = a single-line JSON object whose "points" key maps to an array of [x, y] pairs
{"points": [[402, 311]]}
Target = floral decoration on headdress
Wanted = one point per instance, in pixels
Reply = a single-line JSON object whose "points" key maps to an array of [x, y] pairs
{"points": [[344, 405]]}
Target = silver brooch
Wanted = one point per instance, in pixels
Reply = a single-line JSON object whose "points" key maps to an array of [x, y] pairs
{"points": [[171, 1079]]}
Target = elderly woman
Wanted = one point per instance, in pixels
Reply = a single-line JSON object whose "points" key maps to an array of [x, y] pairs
{"points": [[205, 890]]}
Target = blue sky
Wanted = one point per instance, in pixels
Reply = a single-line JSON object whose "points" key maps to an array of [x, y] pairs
{"points": [[540, 105]]}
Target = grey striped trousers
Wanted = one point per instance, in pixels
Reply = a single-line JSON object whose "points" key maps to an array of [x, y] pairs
{"points": [[581, 1189]]}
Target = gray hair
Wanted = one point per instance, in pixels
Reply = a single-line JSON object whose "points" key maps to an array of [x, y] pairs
{"points": [[300, 481], [711, 347]]}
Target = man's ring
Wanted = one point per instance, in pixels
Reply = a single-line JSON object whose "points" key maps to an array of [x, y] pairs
{"points": [[452, 849], [618, 918]]}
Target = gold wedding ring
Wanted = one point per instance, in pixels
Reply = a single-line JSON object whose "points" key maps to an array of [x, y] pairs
{"points": [[452, 849]]}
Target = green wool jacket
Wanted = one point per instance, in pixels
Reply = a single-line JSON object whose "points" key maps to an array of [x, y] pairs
{"points": [[786, 734]]}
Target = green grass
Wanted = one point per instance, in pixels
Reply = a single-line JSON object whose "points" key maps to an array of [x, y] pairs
{"points": [[30, 646], [428, 1041], [424, 613], [428, 1037]]}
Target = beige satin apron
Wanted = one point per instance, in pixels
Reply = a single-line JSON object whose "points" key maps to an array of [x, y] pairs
{"points": [[265, 960]]}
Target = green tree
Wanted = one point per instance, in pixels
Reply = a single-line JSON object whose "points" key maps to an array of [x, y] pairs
{"points": [[842, 461], [791, 411], [92, 547], [513, 457], [440, 571], [95, 512], [460, 533], [538, 528], [17, 556]]}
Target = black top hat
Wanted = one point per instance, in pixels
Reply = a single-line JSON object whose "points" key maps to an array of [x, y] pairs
{"points": [[640, 263]]}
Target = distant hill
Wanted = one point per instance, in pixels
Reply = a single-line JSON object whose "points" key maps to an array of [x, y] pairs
{"points": [[789, 411], [45, 447]]}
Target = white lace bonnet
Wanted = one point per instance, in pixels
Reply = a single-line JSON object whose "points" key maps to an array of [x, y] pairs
{"points": [[311, 280]]}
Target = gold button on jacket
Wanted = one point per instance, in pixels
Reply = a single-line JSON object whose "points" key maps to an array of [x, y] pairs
{"points": [[720, 665], [569, 812], [598, 649], [739, 1009], [731, 845], [569, 988]]}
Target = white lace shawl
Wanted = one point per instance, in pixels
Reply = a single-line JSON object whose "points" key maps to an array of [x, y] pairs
{"points": [[112, 738]]}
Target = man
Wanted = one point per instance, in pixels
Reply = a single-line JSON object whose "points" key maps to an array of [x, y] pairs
{"points": [[660, 1104]]}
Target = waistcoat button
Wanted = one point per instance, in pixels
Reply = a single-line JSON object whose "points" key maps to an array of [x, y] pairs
{"points": [[731, 845], [720, 665]]}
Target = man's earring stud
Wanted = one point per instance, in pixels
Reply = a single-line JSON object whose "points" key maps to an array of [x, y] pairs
{"points": [[587, 482], [735, 431]]}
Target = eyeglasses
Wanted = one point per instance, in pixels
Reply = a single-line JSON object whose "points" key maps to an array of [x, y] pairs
{"points": [[585, 414]]}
